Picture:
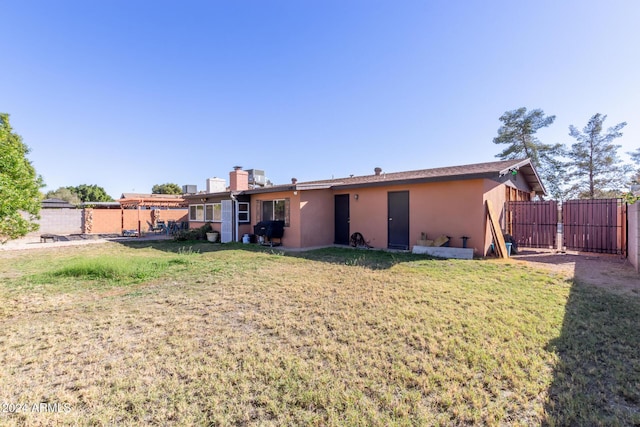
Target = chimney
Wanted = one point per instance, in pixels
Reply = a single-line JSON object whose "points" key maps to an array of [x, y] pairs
{"points": [[378, 171], [238, 179], [294, 181]]}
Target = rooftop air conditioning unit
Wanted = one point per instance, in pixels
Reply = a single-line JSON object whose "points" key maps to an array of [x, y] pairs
{"points": [[189, 189], [216, 185], [256, 177]]}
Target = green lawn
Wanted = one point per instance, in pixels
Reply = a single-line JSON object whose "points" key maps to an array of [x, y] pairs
{"points": [[200, 334]]}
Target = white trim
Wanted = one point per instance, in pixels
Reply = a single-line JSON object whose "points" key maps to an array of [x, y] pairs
{"points": [[212, 216], [198, 209], [244, 211]]}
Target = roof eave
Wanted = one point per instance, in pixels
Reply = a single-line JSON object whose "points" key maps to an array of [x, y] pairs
{"points": [[531, 175], [420, 180]]}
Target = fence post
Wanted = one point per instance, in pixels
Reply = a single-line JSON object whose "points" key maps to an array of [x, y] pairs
{"points": [[633, 216], [560, 230]]}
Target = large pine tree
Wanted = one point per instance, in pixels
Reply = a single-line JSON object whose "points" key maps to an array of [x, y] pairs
{"points": [[595, 170], [518, 132]]}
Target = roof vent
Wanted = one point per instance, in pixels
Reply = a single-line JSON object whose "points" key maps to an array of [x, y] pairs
{"points": [[378, 171]]}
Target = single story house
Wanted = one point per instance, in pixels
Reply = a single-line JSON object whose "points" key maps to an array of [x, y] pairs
{"points": [[391, 210], [56, 204]]}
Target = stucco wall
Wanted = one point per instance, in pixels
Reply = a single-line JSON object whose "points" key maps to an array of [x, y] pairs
{"points": [[243, 228], [317, 216], [633, 218], [291, 236], [368, 214], [109, 221], [450, 208], [453, 208], [103, 221]]}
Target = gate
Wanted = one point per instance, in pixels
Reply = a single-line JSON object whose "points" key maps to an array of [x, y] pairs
{"points": [[533, 224], [598, 225], [595, 225]]}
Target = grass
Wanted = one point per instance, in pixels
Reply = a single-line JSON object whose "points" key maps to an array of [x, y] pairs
{"points": [[239, 335]]}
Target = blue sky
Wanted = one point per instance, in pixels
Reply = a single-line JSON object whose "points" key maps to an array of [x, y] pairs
{"points": [[128, 94]]}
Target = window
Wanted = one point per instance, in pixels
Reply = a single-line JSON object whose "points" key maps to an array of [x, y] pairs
{"points": [[213, 212], [274, 210], [243, 212], [196, 212]]}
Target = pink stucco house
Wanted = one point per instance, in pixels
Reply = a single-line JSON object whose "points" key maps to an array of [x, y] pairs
{"points": [[391, 210]]}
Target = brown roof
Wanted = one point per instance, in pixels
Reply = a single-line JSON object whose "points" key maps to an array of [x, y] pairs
{"points": [[490, 170], [487, 170], [56, 203]]}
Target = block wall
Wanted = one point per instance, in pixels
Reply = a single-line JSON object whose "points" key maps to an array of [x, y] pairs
{"points": [[59, 221], [101, 221]]}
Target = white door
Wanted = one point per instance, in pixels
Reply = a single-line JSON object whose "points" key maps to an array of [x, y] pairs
{"points": [[226, 227]]}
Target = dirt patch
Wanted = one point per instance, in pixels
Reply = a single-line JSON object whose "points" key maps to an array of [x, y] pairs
{"points": [[612, 272]]}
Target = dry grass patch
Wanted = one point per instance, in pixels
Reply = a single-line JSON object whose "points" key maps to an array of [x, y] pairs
{"points": [[240, 336]]}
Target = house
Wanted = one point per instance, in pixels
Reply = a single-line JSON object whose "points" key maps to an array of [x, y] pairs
{"points": [[56, 204], [391, 210]]}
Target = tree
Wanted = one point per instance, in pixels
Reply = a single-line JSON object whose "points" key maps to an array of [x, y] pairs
{"points": [[20, 195], [635, 156], [65, 194], [518, 131], [168, 188], [595, 170], [91, 193]]}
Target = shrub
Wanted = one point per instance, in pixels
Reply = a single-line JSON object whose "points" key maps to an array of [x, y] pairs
{"points": [[199, 233]]}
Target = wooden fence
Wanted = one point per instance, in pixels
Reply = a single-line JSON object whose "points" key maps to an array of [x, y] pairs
{"points": [[533, 224], [586, 225], [595, 225]]}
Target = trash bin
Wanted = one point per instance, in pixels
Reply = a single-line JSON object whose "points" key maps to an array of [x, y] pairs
{"points": [[492, 248]]}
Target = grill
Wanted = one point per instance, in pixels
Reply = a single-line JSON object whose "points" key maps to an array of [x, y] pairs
{"points": [[270, 230]]}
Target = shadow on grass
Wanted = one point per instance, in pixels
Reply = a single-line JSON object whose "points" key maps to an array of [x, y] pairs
{"points": [[370, 258], [597, 377]]}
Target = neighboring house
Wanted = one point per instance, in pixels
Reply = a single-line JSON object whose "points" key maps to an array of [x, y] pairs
{"points": [[56, 204], [391, 210], [58, 216]]}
